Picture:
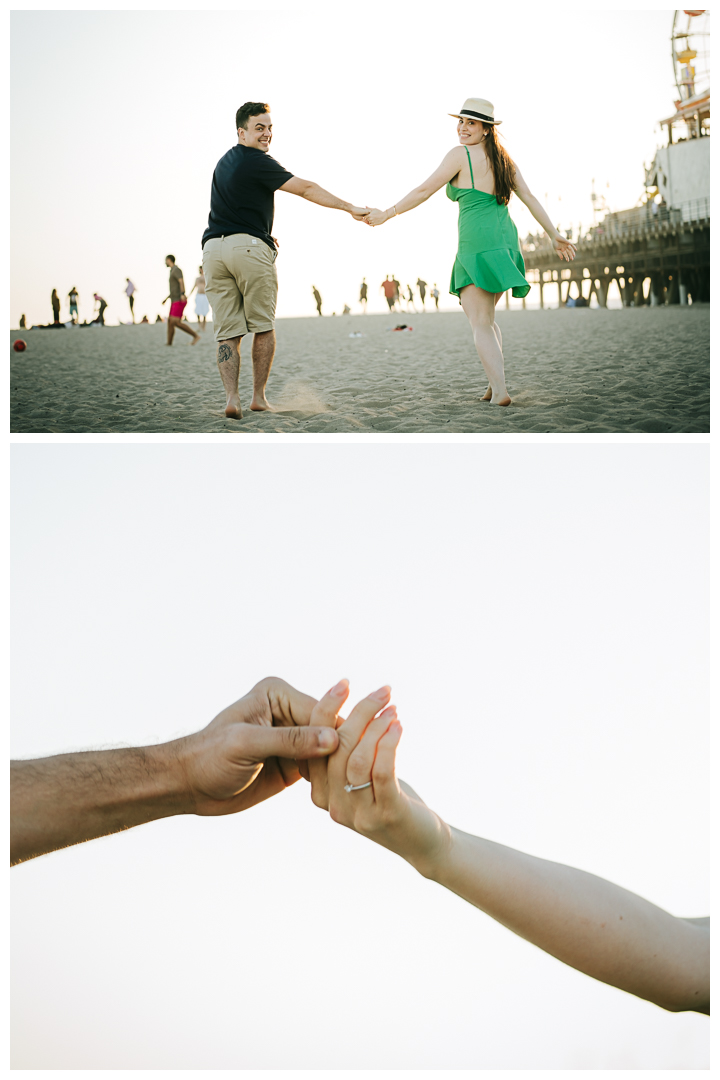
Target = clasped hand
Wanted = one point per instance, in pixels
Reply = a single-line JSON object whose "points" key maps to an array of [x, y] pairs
{"points": [[268, 739]]}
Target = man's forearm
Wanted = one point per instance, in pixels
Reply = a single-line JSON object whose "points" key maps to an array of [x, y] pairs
{"points": [[64, 800], [587, 922], [314, 193]]}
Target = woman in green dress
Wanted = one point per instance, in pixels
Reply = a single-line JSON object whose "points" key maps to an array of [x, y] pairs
{"points": [[480, 176]]}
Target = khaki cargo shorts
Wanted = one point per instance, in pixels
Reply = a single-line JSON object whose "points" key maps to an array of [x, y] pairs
{"points": [[241, 284]]}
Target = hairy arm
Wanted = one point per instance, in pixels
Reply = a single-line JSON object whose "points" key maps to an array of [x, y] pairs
{"points": [[247, 754], [59, 801], [311, 191], [447, 169]]}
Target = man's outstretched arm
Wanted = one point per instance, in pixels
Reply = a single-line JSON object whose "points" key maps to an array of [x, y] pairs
{"points": [[306, 189], [248, 753]]}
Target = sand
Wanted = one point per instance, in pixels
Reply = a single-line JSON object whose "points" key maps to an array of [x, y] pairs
{"points": [[569, 370]]}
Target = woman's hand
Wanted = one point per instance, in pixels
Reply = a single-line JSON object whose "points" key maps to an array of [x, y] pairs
{"points": [[565, 248], [385, 811], [377, 217]]}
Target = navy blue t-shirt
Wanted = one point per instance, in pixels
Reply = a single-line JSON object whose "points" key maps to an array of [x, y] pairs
{"points": [[242, 198]]}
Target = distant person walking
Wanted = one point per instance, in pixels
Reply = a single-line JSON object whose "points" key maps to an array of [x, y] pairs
{"points": [[388, 287], [435, 293], [481, 176], [101, 309], [202, 307], [22, 323], [55, 301], [363, 296], [398, 294], [411, 299], [239, 251], [130, 293], [422, 286], [73, 299], [178, 302], [318, 300]]}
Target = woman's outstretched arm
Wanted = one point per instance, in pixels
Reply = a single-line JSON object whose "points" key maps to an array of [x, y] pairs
{"points": [[449, 167], [587, 922], [564, 248]]}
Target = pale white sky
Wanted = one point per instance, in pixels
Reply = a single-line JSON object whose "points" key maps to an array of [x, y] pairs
{"points": [[541, 612], [118, 119]]}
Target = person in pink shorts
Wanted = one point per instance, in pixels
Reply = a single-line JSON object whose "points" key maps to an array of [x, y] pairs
{"points": [[178, 302]]}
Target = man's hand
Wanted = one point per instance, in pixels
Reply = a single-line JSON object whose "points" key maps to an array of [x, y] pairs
{"points": [[359, 213], [246, 754], [276, 242], [251, 749]]}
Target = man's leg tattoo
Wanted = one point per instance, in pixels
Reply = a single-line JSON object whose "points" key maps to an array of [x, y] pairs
{"points": [[225, 352]]}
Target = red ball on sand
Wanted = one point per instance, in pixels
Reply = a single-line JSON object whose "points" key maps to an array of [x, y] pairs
{"points": [[19, 345], [686, 12]]}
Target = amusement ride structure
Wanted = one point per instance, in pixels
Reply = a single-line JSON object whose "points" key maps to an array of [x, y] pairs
{"points": [[657, 252]]}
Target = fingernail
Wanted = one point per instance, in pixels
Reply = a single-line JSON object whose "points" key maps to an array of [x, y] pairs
{"points": [[326, 738], [390, 713], [383, 694], [339, 689]]}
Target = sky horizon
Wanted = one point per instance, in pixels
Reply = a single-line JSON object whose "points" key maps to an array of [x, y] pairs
{"points": [[132, 137]]}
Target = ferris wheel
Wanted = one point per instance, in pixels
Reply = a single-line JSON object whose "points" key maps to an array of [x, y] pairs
{"points": [[691, 52]]}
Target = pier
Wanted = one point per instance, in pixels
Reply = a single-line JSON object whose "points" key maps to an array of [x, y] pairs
{"points": [[659, 256]]}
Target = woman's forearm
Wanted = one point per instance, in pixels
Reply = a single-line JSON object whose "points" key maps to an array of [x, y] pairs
{"points": [[65, 800], [539, 212], [408, 202], [591, 924]]}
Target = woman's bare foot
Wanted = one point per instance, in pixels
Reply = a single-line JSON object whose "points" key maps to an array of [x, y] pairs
{"points": [[261, 404], [506, 400], [195, 339], [232, 409], [487, 396]]}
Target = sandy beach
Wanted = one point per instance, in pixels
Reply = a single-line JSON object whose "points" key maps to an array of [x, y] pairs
{"points": [[568, 370]]}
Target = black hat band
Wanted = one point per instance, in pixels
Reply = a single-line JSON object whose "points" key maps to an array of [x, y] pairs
{"points": [[480, 116]]}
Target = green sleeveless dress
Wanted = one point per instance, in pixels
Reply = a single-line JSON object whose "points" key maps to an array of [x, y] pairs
{"points": [[489, 253]]}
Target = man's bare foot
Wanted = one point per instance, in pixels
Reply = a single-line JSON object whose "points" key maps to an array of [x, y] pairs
{"points": [[232, 409], [261, 405], [502, 401], [487, 396], [195, 339]]}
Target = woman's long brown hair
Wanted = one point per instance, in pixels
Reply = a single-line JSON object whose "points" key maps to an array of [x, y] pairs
{"points": [[501, 164]]}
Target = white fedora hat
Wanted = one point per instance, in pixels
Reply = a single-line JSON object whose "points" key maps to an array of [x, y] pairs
{"points": [[476, 108]]}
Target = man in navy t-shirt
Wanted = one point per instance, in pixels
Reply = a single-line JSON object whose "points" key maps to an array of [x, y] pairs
{"points": [[239, 250]]}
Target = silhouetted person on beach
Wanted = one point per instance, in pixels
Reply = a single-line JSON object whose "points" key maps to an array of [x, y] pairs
{"points": [[22, 323], [363, 296], [202, 306], [388, 287], [318, 300], [239, 250], [422, 286], [73, 301], [55, 301], [398, 293], [178, 301], [435, 293], [410, 299], [101, 309], [130, 293]]}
